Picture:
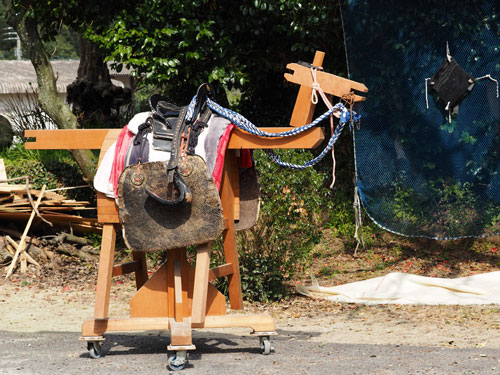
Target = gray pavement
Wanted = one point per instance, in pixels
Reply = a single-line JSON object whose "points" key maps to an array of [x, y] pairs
{"points": [[228, 354]]}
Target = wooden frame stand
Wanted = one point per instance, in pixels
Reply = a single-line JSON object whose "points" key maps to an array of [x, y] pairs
{"points": [[179, 297]]}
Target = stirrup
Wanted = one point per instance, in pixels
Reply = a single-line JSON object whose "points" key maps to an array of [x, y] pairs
{"points": [[165, 193]]}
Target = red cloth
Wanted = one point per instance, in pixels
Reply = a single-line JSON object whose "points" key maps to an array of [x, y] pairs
{"points": [[245, 159], [125, 137], [122, 143], [221, 152]]}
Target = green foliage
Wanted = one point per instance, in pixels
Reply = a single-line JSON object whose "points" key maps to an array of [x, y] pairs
{"points": [[94, 238], [327, 271], [156, 258], [64, 46], [53, 168], [281, 242], [179, 45], [452, 205], [141, 97], [493, 213], [21, 162], [52, 15], [341, 214]]}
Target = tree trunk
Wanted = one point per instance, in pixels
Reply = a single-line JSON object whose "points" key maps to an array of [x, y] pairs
{"points": [[94, 99], [48, 99], [92, 66]]}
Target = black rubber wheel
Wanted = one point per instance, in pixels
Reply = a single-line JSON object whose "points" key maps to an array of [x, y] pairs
{"points": [[175, 363], [95, 349]]}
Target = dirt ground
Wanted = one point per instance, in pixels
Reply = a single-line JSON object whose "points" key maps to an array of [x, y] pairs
{"points": [[60, 296]]}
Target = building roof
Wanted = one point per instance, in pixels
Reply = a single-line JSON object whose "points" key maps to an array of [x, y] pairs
{"points": [[18, 76]]}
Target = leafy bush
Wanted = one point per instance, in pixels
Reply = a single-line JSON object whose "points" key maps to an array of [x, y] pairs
{"points": [[281, 242], [341, 214], [54, 168], [21, 162], [179, 44]]}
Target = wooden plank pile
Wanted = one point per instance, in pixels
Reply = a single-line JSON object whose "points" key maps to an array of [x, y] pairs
{"points": [[17, 203], [15, 199], [19, 250]]}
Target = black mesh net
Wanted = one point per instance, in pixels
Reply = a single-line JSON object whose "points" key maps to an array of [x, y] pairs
{"points": [[426, 171]]}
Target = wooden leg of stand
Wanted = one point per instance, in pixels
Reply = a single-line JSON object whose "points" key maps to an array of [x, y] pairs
{"points": [[105, 271], [180, 326], [229, 181], [141, 276], [200, 289], [179, 315]]}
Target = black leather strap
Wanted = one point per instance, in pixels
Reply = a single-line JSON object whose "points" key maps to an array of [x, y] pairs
{"points": [[176, 141], [180, 184], [201, 95]]}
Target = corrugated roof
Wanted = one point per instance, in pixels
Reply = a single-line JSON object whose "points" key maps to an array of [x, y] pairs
{"points": [[20, 77]]}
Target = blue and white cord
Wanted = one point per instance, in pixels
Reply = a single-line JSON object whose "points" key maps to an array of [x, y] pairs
{"points": [[244, 124]]}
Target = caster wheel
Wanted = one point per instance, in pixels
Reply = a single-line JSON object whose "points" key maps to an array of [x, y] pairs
{"points": [[265, 344], [95, 349], [177, 361]]}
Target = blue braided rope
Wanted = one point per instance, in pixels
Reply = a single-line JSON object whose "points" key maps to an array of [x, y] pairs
{"points": [[190, 109], [244, 124], [317, 159]]}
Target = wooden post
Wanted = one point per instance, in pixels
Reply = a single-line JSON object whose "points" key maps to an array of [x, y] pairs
{"points": [[229, 175], [179, 314], [141, 275], [176, 281], [200, 290], [303, 110], [105, 271]]}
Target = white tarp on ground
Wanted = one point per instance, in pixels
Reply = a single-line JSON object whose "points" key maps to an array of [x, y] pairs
{"points": [[403, 288]]}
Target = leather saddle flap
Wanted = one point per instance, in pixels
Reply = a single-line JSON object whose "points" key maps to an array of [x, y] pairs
{"points": [[149, 225], [163, 133]]}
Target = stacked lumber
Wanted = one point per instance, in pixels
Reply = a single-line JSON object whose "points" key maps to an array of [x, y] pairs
{"points": [[54, 208], [14, 199]]}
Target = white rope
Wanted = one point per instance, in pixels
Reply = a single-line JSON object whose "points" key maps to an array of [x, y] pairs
{"points": [[426, 94], [489, 77], [314, 99], [315, 87], [359, 222]]}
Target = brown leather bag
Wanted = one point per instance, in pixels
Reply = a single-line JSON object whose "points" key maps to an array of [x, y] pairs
{"points": [[150, 225]]}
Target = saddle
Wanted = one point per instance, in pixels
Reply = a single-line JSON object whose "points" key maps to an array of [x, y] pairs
{"points": [[167, 205]]}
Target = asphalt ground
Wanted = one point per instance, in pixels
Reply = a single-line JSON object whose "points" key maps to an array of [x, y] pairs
{"points": [[220, 353]]}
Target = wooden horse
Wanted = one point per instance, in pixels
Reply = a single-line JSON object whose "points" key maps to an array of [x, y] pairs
{"points": [[179, 297]]}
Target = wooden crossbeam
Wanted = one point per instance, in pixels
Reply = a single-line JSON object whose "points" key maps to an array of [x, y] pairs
{"points": [[303, 110], [124, 268], [92, 139], [329, 83]]}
